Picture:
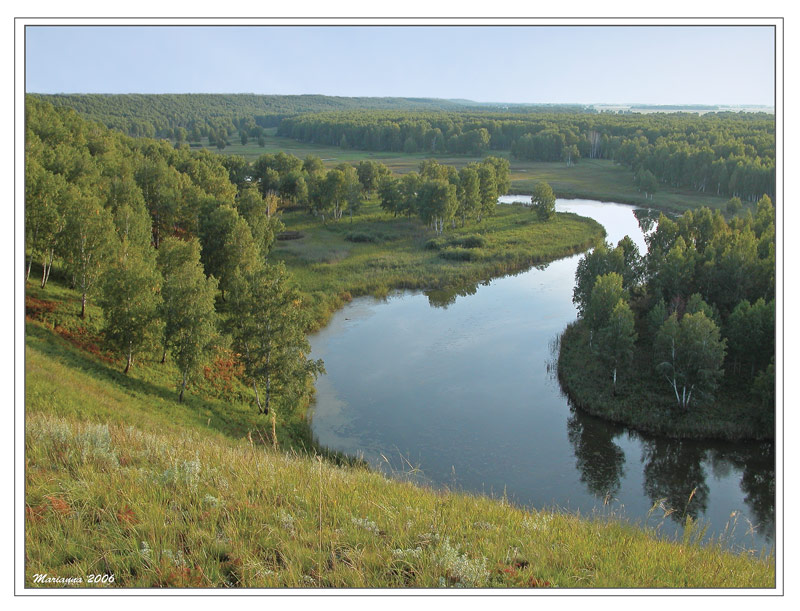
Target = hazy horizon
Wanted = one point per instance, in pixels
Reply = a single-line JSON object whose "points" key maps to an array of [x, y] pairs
{"points": [[550, 64]]}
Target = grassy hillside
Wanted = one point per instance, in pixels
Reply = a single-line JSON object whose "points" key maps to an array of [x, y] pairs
{"points": [[122, 480]]}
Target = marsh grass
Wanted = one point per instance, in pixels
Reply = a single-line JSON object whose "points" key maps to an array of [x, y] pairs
{"points": [[377, 253]]}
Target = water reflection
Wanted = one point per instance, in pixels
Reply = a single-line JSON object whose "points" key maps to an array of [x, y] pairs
{"points": [[674, 476], [757, 464], [442, 298], [600, 461], [647, 219]]}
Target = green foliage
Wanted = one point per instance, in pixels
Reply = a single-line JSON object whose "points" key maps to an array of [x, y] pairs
{"points": [[268, 326], [543, 201], [187, 309], [750, 332], [689, 354], [87, 241], [130, 298], [606, 294], [615, 339]]}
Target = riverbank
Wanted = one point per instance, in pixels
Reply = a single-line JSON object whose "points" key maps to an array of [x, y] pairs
{"points": [[376, 253], [644, 404]]}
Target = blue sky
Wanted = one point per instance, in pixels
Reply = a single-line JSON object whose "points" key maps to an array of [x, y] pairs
{"points": [[553, 64]]}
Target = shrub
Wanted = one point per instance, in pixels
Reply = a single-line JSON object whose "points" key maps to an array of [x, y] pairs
{"points": [[459, 254]]}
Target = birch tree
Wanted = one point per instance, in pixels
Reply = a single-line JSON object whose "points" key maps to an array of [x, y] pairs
{"points": [[87, 242], [689, 355], [187, 307], [130, 298], [267, 326]]}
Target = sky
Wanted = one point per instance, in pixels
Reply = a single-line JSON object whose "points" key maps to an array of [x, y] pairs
{"points": [[726, 65]]}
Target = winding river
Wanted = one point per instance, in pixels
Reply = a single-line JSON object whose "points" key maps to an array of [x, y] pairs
{"points": [[459, 390]]}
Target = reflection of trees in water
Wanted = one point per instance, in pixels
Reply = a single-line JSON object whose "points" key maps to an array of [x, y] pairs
{"points": [[599, 460], [442, 298], [646, 218], [673, 469], [757, 463]]}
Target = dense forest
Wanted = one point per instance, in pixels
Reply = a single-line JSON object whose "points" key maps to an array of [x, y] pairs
{"points": [[171, 249], [166, 115], [730, 154], [724, 153]]}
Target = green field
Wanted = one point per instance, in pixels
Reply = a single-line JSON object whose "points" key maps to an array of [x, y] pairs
{"points": [[589, 179]]}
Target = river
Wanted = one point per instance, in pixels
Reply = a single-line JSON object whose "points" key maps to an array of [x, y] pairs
{"points": [[459, 390]]}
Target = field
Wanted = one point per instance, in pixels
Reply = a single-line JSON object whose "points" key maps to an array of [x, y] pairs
{"points": [[589, 179]]}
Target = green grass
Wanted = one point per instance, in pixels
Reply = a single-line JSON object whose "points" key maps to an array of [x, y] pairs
{"points": [[377, 253], [597, 179], [731, 416]]}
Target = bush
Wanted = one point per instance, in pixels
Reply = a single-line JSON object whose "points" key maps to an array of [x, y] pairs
{"points": [[435, 244], [459, 254], [360, 236], [469, 241]]}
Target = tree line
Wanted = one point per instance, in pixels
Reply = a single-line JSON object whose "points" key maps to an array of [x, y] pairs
{"points": [[731, 154], [701, 303], [172, 251]]}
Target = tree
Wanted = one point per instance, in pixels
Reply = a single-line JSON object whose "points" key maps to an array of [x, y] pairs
{"points": [[689, 354], [268, 329], [607, 291], [750, 332], [187, 309], [647, 183], [437, 203], [370, 174], [487, 176], [469, 195], [616, 338], [257, 211], [87, 242], [390, 194], [543, 201], [227, 244], [43, 216], [130, 299]]}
